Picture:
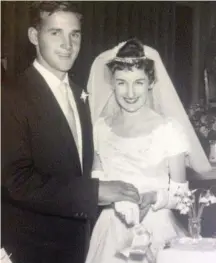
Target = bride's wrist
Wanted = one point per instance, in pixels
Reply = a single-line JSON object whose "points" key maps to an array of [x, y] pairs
{"points": [[161, 199]]}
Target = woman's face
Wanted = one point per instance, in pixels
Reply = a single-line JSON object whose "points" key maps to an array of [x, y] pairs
{"points": [[131, 88]]}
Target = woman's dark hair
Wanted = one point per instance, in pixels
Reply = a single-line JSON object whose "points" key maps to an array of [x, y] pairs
{"points": [[38, 7], [131, 55]]}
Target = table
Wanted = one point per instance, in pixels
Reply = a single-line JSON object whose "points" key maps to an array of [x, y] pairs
{"points": [[204, 252]]}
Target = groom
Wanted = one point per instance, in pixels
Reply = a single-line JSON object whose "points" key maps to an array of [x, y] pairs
{"points": [[48, 197]]}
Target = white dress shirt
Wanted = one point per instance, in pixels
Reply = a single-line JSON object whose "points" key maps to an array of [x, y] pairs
{"points": [[54, 84]]}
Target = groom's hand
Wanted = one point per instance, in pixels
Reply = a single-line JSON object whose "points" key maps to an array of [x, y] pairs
{"points": [[143, 212], [146, 200], [115, 191]]}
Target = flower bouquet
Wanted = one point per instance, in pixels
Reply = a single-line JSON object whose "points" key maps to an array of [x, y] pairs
{"points": [[193, 203], [204, 123]]}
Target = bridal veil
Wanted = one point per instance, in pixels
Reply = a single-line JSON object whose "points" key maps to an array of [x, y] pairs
{"points": [[163, 99]]}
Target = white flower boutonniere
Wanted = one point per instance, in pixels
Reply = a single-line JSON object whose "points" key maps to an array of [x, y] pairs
{"points": [[84, 96]]}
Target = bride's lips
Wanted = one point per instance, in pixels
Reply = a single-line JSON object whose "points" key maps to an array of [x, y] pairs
{"points": [[131, 101]]}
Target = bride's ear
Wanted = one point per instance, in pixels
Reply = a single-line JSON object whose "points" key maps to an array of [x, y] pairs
{"points": [[151, 85], [33, 36]]}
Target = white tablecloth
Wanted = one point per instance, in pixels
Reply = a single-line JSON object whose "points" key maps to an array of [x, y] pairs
{"points": [[202, 252]]}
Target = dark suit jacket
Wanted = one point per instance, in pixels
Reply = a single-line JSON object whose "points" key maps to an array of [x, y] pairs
{"points": [[48, 203]]}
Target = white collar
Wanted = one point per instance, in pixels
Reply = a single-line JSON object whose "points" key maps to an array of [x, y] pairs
{"points": [[49, 77]]}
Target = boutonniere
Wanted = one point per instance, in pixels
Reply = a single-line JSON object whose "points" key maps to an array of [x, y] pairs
{"points": [[84, 96]]}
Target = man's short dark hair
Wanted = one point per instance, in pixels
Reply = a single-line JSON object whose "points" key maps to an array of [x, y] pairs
{"points": [[51, 7]]}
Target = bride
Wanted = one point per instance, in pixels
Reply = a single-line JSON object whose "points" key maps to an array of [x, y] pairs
{"points": [[142, 136]]}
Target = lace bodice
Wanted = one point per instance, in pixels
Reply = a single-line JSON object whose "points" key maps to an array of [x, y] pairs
{"points": [[143, 160]]}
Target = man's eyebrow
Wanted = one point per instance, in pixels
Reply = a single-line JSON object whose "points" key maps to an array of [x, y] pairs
{"points": [[59, 29], [76, 31], [55, 29]]}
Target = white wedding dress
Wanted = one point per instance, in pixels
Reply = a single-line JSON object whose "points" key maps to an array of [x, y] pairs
{"points": [[142, 161]]}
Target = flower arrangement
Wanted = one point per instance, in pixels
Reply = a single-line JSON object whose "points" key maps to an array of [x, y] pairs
{"points": [[188, 203], [204, 122], [193, 204]]}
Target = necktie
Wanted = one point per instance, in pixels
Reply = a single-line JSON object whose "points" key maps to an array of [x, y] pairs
{"points": [[70, 112]]}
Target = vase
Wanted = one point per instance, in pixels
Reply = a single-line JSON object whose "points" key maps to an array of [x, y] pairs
{"points": [[194, 228]]}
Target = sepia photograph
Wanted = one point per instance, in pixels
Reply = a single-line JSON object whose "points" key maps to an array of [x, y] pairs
{"points": [[108, 131]]}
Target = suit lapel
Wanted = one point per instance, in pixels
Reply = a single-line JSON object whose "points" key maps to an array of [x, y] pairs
{"points": [[45, 93], [84, 115]]}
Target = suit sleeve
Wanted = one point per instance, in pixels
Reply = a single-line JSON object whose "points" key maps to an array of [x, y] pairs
{"points": [[32, 189]]}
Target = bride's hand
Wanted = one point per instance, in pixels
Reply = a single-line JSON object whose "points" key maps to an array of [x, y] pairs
{"points": [[128, 212], [115, 191]]}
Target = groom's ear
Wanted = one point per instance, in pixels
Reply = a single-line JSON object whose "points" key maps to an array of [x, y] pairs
{"points": [[33, 35]]}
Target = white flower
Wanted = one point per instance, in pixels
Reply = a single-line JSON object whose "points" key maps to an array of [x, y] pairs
{"points": [[189, 193], [203, 118], [184, 208], [204, 131], [186, 200], [212, 199], [204, 200], [180, 206], [84, 96], [185, 211], [208, 199]]}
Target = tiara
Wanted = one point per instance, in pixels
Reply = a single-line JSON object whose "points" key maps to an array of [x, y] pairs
{"points": [[129, 60]]}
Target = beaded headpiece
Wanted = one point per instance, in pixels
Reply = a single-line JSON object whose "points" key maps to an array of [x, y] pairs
{"points": [[129, 60]]}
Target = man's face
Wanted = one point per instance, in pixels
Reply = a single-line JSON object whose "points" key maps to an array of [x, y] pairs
{"points": [[58, 41]]}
